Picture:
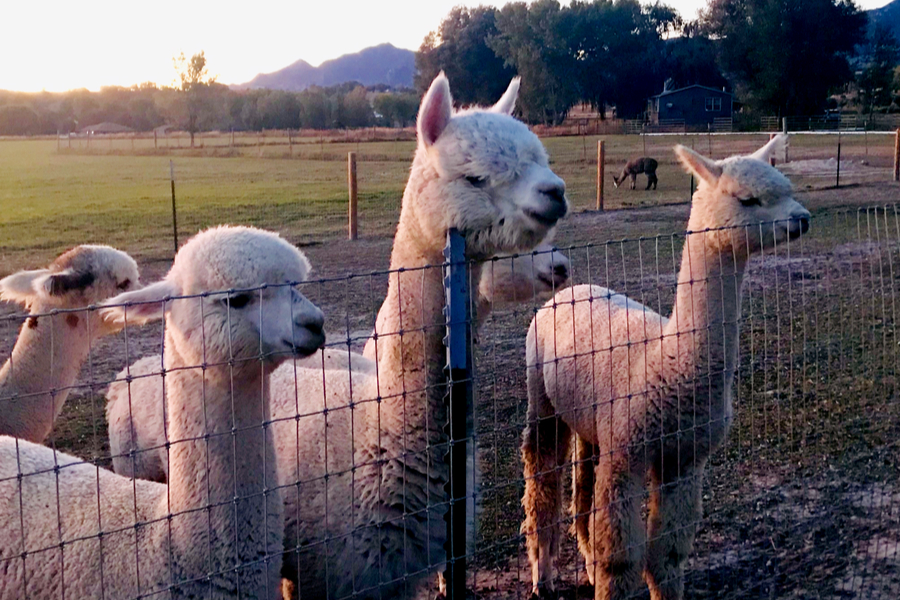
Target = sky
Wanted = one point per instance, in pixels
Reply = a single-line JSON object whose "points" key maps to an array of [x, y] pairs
{"points": [[57, 45]]}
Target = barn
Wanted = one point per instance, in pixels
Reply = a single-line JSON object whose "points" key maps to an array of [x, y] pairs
{"points": [[692, 106]]}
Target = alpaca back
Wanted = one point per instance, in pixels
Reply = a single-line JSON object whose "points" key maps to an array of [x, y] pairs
{"points": [[583, 337], [71, 555]]}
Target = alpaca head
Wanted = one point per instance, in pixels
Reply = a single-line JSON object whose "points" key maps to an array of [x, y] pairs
{"points": [[523, 277], [236, 299], [484, 173], [80, 277], [747, 196]]}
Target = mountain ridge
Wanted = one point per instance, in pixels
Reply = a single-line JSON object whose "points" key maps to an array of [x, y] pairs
{"points": [[382, 64]]}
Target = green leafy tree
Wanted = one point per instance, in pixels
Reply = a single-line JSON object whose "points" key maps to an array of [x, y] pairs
{"points": [[356, 109], [691, 59], [460, 49], [195, 82], [618, 51], [876, 79], [396, 109], [314, 109], [533, 40], [19, 120], [785, 56]]}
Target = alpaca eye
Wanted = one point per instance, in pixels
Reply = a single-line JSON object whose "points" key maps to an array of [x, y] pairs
{"points": [[124, 285], [749, 201], [238, 301], [478, 182]]}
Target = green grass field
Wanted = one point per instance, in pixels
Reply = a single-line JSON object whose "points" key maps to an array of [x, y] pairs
{"points": [[52, 199]]}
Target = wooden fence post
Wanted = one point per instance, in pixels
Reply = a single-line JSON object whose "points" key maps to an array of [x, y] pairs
{"points": [[155, 140], [601, 163], [351, 184], [290, 144], [772, 156], [897, 155]]}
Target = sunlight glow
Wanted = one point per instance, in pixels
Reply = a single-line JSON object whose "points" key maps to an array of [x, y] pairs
{"points": [[60, 45]]}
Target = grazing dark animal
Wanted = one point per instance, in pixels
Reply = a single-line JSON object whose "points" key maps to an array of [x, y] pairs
{"points": [[634, 167]]}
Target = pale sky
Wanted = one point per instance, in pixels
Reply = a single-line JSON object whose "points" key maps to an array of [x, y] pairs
{"points": [[57, 45]]}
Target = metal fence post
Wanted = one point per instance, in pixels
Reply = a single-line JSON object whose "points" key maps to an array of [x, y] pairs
{"points": [[601, 165], [353, 194], [461, 404], [174, 214]]}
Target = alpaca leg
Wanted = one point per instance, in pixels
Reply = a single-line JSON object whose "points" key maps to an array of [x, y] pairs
{"points": [[544, 451], [617, 531], [582, 498], [675, 511]]}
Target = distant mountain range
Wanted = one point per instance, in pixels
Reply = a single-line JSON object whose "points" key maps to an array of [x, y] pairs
{"points": [[379, 64], [889, 15]]}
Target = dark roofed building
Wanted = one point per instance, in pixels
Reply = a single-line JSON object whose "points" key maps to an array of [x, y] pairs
{"points": [[694, 105]]}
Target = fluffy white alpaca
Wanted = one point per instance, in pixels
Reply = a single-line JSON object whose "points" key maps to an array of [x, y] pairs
{"points": [[216, 530], [136, 410], [646, 395], [366, 497], [41, 370]]}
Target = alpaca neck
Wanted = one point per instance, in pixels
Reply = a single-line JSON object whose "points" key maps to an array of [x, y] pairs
{"points": [[229, 468], [36, 379], [407, 428], [702, 334]]}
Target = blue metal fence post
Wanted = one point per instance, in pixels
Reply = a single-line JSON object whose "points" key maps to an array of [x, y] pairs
{"points": [[458, 320]]}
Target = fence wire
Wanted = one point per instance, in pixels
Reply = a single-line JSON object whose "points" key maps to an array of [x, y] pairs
{"points": [[801, 501]]}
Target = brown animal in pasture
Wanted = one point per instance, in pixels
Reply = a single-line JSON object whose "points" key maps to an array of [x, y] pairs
{"points": [[637, 166]]}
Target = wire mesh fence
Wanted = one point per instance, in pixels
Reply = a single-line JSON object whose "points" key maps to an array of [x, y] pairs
{"points": [[799, 502]]}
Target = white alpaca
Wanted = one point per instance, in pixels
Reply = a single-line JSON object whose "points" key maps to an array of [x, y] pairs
{"points": [[41, 370], [365, 499], [136, 409], [216, 530], [646, 395]]}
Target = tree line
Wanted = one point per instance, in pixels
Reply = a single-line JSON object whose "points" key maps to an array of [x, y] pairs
{"points": [[779, 57], [198, 103]]}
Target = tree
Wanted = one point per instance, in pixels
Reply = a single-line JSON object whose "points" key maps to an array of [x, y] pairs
{"points": [[460, 49], [396, 109], [691, 59], [618, 51], [875, 81], [356, 109], [786, 55], [195, 84], [533, 40], [314, 110]]}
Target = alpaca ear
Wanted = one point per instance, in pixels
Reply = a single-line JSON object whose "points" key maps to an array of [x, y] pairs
{"points": [[507, 103], [140, 306], [20, 287], [62, 282], [435, 111], [774, 146], [702, 167]]}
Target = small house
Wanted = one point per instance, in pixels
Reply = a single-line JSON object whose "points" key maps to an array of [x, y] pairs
{"points": [[694, 105]]}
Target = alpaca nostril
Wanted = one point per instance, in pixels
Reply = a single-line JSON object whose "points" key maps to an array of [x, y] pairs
{"points": [[561, 271], [315, 328], [557, 193], [804, 225]]}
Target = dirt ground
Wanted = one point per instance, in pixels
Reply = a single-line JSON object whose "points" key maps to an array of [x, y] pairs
{"points": [[804, 501]]}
